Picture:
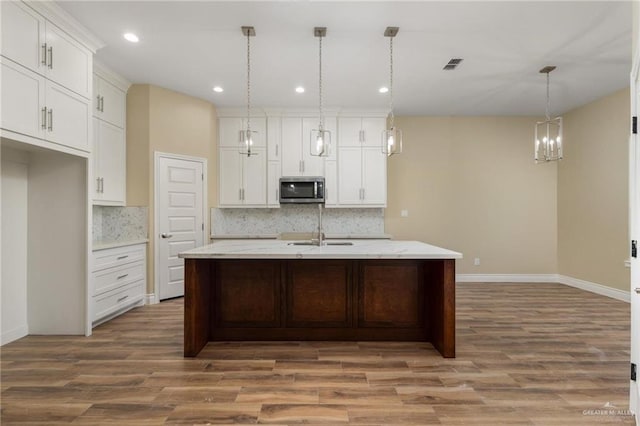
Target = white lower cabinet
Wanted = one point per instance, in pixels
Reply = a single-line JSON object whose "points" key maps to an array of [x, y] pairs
{"points": [[119, 280]]}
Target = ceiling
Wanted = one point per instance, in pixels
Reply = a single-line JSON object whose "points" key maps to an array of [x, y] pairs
{"points": [[191, 46]]}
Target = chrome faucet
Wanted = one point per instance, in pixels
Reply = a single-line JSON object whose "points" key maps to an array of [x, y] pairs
{"points": [[320, 241]]}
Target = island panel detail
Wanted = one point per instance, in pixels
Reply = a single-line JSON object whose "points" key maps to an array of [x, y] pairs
{"points": [[320, 299]]}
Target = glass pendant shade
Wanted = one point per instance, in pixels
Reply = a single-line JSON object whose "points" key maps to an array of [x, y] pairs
{"points": [[320, 142], [391, 136], [548, 140], [392, 141], [247, 136], [320, 138]]}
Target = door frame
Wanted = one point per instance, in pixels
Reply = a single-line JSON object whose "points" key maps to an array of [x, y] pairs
{"points": [[634, 231], [157, 155]]}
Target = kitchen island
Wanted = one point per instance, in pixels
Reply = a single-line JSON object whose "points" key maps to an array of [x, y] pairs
{"points": [[372, 290]]}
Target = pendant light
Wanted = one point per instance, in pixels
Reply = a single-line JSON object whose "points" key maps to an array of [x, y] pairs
{"points": [[247, 135], [320, 142], [548, 133], [391, 136]]}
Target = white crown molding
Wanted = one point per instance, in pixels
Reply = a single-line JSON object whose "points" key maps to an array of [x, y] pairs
{"points": [[54, 13], [301, 112], [110, 75]]}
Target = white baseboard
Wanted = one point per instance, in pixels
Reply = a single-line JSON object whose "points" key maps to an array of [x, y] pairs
{"points": [[150, 299], [603, 290], [507, 278], [15, 334], [600, 289]]}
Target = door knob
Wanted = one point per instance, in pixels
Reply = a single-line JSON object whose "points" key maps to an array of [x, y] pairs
{"points": [[637, 290], [165, 235]]}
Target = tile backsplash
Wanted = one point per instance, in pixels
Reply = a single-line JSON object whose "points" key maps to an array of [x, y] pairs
{"points": [[120, 223], [296, 218]]}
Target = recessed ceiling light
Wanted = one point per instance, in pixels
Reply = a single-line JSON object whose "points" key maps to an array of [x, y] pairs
{"points": [[383, 89], [299, 89], [131, 37], [218, 89]]}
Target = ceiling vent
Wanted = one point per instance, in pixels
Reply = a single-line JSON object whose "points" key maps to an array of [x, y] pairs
{"points": [[452, 64]]}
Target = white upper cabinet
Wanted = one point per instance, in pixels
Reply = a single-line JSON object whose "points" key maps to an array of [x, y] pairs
{"points": [[109, 102], [38, 44], [110, 147], [242, 179], [362, 167], [231, 131], [23, 35], [356, 131], [47, 63], [296, 147], [109, 155], [68, 62], [36, 107]]}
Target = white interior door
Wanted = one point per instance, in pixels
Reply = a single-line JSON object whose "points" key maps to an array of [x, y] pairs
{"points": [[180, 219], [634, 225]]}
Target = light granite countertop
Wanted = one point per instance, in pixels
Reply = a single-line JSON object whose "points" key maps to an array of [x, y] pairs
{"points": [[299, 236], [107, 244], [281, 249]]}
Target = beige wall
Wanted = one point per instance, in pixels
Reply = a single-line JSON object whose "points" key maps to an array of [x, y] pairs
{"points": [[593, 239], [470, 184], [160, 120]]}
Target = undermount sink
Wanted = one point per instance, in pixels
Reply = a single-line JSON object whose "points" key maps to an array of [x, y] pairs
{"points": [[326, 243]]}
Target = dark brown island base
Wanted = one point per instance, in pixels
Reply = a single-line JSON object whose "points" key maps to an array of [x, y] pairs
{"points": [[375, 290]]}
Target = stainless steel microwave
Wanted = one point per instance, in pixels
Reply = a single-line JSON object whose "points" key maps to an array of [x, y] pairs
{"points": [[302, 190]]}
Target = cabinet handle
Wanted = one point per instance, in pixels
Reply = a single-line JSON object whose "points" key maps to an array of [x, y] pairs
{"points": [[98, 185], [242, 194], [98, 102], [50, 112], [44, 118], [44, 54], [276, 150], [101, 103], [122, 276], [364, 194], [50, 57], [122, 257], [361, 135], [102, 185], [165, 235], [241, 136], [122, 298]]}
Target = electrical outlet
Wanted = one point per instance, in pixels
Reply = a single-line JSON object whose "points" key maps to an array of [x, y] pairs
{"points": [[476, 261], [404, 213]]}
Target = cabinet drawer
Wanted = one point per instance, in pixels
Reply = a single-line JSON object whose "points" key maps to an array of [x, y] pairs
{"points": [[112, 278], [113, 301], [109, 258]]}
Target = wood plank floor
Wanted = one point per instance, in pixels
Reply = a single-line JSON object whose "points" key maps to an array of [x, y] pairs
{"points": [[527, 354]]}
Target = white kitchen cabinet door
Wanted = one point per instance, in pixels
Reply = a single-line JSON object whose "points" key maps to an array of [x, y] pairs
{"points": [[23, 35], [109, 102], [349, 131], [274, 126], [68, 62], [372, 129], [273, 184], [229, 129], [350, 176], [254, 182], [22, 99], [110, 155], [374, 177], [331, 183], [67, 117], [291, 146], [230, 177]]}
